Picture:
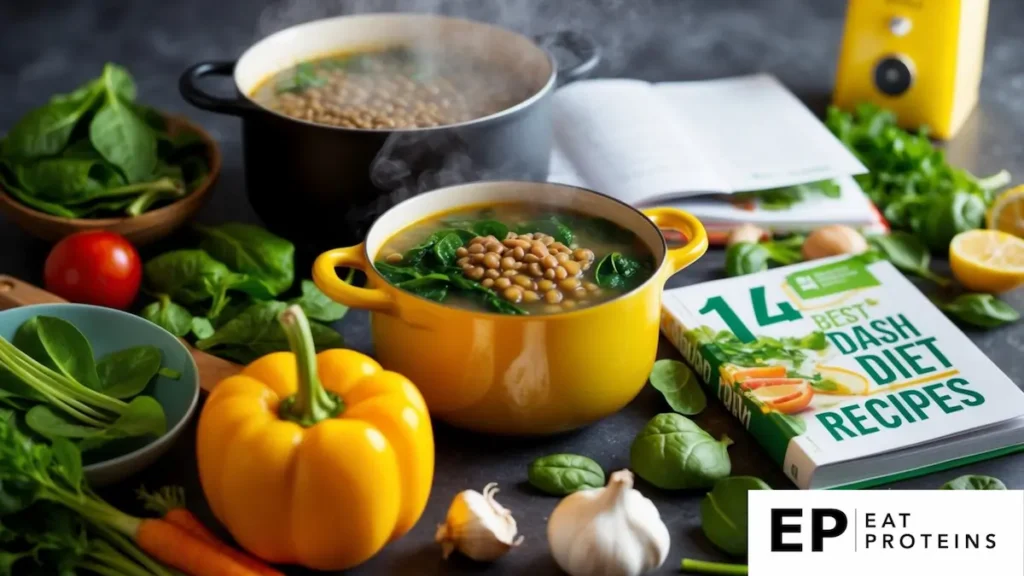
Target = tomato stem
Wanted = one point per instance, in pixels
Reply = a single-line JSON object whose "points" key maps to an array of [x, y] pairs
{"points": [[312, 402]]}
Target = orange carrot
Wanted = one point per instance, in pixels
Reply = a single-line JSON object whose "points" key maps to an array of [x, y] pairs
{"points": [[177, 548], [169, 502]]}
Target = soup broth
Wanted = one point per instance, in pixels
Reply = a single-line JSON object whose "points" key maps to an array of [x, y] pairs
{"points": [[396, 87], [516, 259]]}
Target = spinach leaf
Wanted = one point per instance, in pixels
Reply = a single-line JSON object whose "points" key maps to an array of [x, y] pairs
{"points": [[907, 253], [142, 417], [948, 216], [395, 274], [746, 258], [252, 250], [58, 344], [982, 310], [444, 249], [13, 187], [169, 373], [125, 373], [562, 474], [723, 513], [46, 130], [491, 228], [552, 226], [67, 180], [168, 315], [673, 453], [304, 77], [972, 482], [42, 420], [118, 134], [256, 332], [202, 327], [70, 459], [617, 271], [432, 286], [152, 193], [317, 305], [192, 277], [679, 386]]}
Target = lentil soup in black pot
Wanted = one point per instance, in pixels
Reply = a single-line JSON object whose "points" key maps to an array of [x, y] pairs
{"points": [[344, 117]]}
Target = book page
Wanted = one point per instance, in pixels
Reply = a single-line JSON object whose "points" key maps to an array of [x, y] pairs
{"points": [[759, 134], [621, 140]]}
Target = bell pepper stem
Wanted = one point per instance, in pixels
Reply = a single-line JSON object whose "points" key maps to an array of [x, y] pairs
{"points": [[312, 402]]}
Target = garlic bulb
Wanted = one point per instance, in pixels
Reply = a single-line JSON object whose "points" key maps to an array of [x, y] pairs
{"points": [[478, 526], [745, 233], [610, 531]]}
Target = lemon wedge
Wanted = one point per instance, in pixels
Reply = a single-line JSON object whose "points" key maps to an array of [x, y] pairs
{"points": [[846, 381], [1007, 212], [987, 260]]}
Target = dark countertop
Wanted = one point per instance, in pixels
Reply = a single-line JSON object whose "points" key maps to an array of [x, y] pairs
{"points": [[49, 46]]}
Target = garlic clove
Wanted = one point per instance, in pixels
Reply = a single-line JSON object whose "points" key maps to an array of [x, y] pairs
{"points": [[613, 530], [477, 526], [745, 233], [833, 240]]}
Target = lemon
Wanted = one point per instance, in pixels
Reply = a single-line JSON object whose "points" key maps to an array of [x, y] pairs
{"points": [[847, 382], [1007, 212], [987, 260]]}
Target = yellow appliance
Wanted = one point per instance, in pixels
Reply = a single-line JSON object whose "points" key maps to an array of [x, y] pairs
{"points": [[922, 59]]}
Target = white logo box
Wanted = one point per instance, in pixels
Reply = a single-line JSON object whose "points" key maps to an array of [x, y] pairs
{"points": [[933, 533]]}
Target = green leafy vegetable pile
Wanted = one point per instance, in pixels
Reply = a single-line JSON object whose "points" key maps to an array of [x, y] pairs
{"points": [[786, 197], [95, 152], [909, 178], [48, 374], [51, 523], [224, 293]]}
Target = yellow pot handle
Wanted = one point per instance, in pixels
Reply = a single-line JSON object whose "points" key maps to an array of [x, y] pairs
{"points": [[690, 226], [326, 279]]}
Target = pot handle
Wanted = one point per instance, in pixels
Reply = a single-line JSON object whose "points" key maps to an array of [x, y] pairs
{"points": [[326, 279], [582, 46], [696, 238], [191, 92]]}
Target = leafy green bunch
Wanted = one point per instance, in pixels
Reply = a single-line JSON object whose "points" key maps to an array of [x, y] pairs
{"points": [[95, 152], [909, 178], [48, 375], [224, 293]]}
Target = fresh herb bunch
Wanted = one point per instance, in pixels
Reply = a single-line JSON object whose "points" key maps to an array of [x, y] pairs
{"points": [[760, 351], [909, 178], [787, 196], [95, 152], [224, 293], [48, 375]]}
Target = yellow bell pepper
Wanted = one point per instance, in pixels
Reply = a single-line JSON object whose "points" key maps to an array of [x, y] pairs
{"points": [[315, 459]]}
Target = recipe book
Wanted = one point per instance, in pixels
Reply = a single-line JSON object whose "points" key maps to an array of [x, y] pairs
{"points": [[658, 144], [844, 372]]}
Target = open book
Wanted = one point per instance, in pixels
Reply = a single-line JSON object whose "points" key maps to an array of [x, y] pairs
{"points": [[844, 372], [654, 144]]}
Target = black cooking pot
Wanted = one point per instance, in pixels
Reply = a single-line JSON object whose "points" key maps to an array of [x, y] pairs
{"points": [[323, 186]]}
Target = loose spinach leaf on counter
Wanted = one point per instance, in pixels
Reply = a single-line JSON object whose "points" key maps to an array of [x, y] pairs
{"points": [[973, 482], [58, 344], [678, 384], [168, 315], [982, 310], [673, 453], [252, 250], [256, 332], [317, 305], [723, 513], [125, 373], [907, 253], [563, 474]]}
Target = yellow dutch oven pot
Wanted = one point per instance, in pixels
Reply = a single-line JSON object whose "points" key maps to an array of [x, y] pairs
{"points": [[522, 375]]}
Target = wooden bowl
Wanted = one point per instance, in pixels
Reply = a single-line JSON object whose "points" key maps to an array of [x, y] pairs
{"points": [[139, 230]]}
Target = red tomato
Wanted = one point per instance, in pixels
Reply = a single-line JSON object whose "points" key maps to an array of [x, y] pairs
{"points": [[94, 267]]}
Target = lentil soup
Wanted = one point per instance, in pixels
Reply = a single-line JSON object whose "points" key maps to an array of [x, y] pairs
{"points": [[516, 259], [392, 88]]}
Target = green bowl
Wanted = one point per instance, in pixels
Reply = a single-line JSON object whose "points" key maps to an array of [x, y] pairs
{"points": [[109, 330]]}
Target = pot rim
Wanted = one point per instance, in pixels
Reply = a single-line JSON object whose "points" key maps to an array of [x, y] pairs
{"points": [[525, 103], [655, 276]]}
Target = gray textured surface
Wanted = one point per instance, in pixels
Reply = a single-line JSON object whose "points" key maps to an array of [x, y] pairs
{"points": [[48, 46]]}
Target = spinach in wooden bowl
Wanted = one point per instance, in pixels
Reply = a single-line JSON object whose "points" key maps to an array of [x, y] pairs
{"points": [[95, 152]]}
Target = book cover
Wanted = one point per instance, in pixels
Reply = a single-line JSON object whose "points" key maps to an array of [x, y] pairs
{"points": [[842, 363]]}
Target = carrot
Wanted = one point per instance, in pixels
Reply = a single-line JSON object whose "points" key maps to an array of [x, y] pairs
{"points": [[169, 502], [177, 548]]}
